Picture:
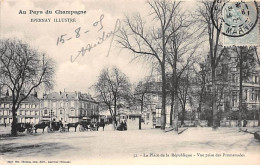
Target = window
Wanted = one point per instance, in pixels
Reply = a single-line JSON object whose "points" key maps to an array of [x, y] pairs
{"points": [[236, 79], [45, 112], [234, 99], [60, 111], [245, 94], [45, 103], [72, 113], [51, 113], [158, 112], [256, 79], [54, 104], [252, 94], [233, 78], [61, 104], [148, 116]]}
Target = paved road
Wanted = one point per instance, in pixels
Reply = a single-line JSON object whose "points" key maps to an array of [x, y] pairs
{"points": [[134, 146]]}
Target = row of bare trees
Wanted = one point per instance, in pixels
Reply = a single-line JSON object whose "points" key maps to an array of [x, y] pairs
{"points": [[163, 38], [171, 38]]}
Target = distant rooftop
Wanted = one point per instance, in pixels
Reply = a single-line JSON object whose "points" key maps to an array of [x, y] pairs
{"points": [[69, 96], [30, 98]]}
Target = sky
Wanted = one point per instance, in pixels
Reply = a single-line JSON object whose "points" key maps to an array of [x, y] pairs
{"points": [[43, 36], [101, 16]]}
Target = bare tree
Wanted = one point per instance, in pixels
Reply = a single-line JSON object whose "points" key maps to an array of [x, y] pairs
{"points": [[181, 54], [149, 41], [112, 86], [245, 63], [183, 94], [141, 91], [215, 49], [23, 70], [200, 82]]}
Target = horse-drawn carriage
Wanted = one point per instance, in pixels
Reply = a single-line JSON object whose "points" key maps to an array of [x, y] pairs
{"points": [[122, 126], [56, 126], [92, 126], [21, 127]]}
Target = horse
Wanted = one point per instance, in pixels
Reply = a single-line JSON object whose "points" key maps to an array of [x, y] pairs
{"points": [[73, 125], [41, 125], [101, 124], [28, 127]]}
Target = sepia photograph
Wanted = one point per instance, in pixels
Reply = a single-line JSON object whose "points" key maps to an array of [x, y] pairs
{"points": [[129, 82]]}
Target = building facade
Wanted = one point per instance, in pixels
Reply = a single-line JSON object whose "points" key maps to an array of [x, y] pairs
{"points": [[28, 111], [69, 107], [227, 84]]}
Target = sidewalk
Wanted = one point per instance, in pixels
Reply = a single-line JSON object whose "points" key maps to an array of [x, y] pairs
{"points": [[5, 130]]}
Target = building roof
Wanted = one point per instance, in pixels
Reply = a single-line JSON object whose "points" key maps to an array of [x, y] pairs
{"points": [[69, 96], [30, 98], [61, 95], [86, 97]]}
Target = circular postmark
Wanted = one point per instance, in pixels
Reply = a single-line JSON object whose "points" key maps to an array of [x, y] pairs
{"points": [[234, 18]]}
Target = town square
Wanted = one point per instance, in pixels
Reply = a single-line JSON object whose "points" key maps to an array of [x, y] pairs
{"points": [[129, 82]]}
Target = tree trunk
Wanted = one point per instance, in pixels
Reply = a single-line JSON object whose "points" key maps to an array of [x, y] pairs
{"points": [[172, 105], [259, 117], [142, 104], [182, 116], [214, 104], [14, 123], [115, 122], [163, 110], [172, 96], [176, 115], [176, 103], [240, 89]]}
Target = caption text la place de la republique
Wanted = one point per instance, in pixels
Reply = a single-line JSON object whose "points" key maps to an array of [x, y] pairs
{"points": [[189, 155]]}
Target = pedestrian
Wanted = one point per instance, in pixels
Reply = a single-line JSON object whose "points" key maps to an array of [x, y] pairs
{"points": [[244, 123]]}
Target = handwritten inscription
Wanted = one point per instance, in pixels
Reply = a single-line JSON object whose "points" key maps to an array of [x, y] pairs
{"points": [[64, 37], [102, 37], [99, 41]]}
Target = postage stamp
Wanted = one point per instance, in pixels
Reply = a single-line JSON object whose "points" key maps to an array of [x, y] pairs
{"points": [[237, 21]]}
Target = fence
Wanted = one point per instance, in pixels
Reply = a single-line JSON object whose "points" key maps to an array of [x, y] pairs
{"points": [[234, 123]]}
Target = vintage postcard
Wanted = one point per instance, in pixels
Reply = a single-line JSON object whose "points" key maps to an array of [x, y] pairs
{"points": [[129, 82]]}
